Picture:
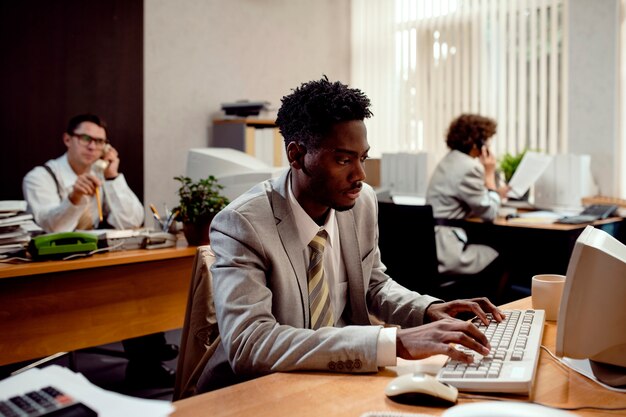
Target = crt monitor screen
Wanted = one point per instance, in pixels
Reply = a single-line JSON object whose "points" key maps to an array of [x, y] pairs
{"points": [[592, 316], [235, 170]]}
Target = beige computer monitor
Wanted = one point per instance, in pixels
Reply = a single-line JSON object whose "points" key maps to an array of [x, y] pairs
{"points": [[592, 317]]}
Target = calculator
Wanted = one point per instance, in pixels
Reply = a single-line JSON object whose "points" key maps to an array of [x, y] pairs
{"points": [[48, 401]]}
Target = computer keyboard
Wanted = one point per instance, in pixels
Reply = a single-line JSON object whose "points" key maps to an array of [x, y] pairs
{"points": [[511, 365], [590, 214], [48, 401]]}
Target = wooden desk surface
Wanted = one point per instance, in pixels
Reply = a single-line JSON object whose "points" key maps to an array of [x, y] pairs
{"points": [[58, 306], [320, 394], [96, 261], [528, 223]]}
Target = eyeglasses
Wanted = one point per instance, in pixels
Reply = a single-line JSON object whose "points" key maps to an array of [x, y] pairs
{"points": [[84, 139]]}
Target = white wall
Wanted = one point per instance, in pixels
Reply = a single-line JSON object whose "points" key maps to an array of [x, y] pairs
{"points": [[201, 53], [593, 120]]}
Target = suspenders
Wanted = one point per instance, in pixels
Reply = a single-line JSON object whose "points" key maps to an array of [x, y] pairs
{"points": [[56, 181]]}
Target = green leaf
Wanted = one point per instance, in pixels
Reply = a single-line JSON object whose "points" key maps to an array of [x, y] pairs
{"points": [[200, 200]]}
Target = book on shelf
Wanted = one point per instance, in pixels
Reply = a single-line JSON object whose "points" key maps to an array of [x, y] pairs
{"points": [[266, 144]]}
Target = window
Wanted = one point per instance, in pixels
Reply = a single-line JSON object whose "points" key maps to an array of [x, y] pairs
{"points": [[423, 62]]}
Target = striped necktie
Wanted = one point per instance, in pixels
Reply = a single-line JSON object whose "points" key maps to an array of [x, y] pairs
{"points": [[319, 296]]}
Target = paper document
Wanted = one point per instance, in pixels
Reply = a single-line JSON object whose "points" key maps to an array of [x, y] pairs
{"points": [[12, 205], [408, 200], [105, 403], [536, 217], [531, 167]]}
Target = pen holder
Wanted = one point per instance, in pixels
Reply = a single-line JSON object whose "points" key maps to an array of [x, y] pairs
{"points": [[173, 226], [159, 225]]}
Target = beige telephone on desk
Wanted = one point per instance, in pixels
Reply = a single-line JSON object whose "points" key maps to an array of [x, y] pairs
{"points": [[157, 240], [101, 164]]}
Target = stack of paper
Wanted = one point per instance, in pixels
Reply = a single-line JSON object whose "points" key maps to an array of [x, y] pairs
{"points": [[105, 403], [16, 226]]}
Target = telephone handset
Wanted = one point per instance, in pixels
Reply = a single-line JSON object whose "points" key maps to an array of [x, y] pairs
{"points": [[480, 144], [102, 164], [56, 245]]}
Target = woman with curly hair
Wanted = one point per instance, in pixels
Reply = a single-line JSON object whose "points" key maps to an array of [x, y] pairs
{"points": [[464, 185]]}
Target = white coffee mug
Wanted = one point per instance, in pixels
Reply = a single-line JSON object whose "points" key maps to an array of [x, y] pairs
{"points": [[546, 291]]}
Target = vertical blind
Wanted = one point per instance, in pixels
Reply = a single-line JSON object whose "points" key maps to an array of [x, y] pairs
{"points": [[424, 62]]}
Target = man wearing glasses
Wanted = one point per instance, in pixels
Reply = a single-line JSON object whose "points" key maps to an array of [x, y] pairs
{"points": [[62, 193], [73, 192]]}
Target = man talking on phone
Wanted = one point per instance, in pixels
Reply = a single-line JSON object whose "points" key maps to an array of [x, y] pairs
{"points": [[73, 191], [83, 189]]}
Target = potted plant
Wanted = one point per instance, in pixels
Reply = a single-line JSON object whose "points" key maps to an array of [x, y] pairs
{"points": [[199, 202]]}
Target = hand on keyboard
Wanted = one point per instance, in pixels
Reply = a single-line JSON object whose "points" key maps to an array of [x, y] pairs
{"points": [[436, 338], [444, 330], [511, 364], [480, 307]]}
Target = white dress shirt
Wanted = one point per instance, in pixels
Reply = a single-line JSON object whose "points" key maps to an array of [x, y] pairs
{"points": [[56, 213], [335, 273]]}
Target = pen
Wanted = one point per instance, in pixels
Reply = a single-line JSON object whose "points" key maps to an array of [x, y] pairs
{"points": [[99, 203], [155, 213]]}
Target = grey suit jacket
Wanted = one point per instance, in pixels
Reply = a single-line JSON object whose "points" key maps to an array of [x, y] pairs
{"points": [[456, 191], [261, 297]]}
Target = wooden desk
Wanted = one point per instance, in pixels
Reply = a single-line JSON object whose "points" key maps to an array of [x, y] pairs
{"points": [[516, 222], [321, 394], [534, 248], [56, 306]]}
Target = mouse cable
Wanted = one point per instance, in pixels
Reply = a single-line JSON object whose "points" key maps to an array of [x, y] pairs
{"points": [[590, 407]]}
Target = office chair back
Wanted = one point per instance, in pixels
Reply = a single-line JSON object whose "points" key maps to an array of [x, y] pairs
{"points": [[407, 245], [200, 335]]}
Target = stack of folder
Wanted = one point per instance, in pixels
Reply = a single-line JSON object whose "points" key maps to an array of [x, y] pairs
{"points": [[16, 226]]}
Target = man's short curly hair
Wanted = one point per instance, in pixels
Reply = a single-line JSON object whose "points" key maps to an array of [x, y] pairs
{"points": [[469, 129], [309, 112]]}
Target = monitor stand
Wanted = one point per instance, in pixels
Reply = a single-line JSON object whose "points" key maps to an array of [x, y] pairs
{"points": [[612, 375]]}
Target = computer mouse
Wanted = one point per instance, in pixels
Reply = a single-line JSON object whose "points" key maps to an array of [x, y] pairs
{"points": [[421, 389], [504, 409]]}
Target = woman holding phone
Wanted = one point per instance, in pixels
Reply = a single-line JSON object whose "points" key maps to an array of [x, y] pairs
{"points": [[464, 185]]}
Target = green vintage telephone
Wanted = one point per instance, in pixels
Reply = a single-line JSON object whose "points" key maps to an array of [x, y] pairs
{"points": [[58, 245]]}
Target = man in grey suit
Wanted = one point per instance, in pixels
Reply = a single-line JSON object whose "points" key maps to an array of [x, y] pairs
{"points": [[261, 243]]}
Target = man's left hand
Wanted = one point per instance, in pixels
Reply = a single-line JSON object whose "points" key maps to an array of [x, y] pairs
{"points": [[479, 306], [111, 156]]}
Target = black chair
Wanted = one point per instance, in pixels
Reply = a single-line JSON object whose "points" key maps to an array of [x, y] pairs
{"points": [[407, 245], [409, 251]]}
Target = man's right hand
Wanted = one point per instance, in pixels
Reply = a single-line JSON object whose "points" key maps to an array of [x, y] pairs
{"points": [[85, 184], [437, 338]]}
